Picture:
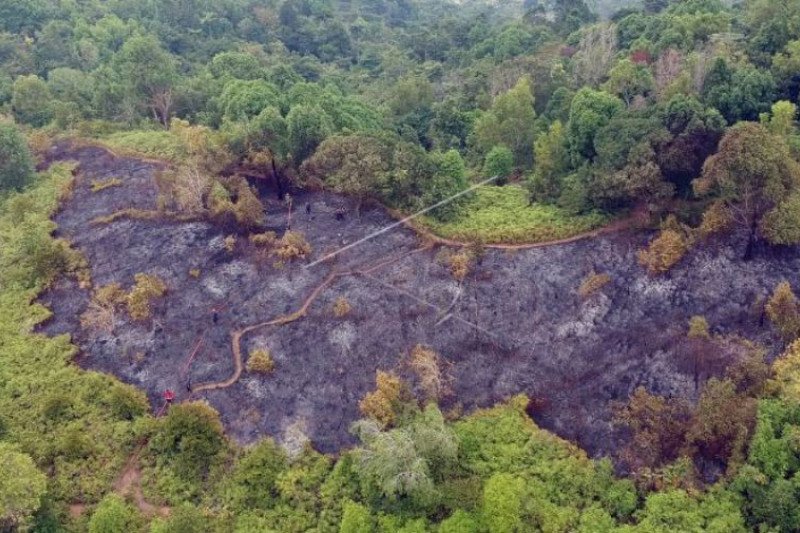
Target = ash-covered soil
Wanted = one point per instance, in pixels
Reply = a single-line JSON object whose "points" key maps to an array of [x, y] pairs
{"points": [[516, 325]]}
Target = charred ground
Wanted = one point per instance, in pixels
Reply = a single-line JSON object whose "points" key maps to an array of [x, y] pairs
{"points": [[517, 324]]}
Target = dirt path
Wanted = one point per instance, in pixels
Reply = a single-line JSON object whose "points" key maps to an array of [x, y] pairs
{"points": [[236, 336], [129, 483]]}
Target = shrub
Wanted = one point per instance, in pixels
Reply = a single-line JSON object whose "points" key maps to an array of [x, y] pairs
{"points": [[254, 480], [248, 210], [783, 310], [127, 402], [184, 189], [426, 364], [230, 243], [356, 519], [698, 328], [593, 283], [113, 515], [292, 245], [499, 162], [460, 265], [146, 289], [341, 307], [188, 439], [716, 219], [664, 252], [101, 312], [219, 200], [782, 224], [382, 404], [263, 239], [16, 165], [22, 487], [260, 362]]}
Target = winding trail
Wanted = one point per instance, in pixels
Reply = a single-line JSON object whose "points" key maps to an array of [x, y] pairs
{"points": [[129, 483], [237, 335]]}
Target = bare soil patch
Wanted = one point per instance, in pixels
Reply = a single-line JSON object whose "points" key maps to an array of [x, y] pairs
{"points": [[517, 324]]}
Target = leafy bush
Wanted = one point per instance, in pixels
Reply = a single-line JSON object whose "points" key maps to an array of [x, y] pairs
{"points": [[783, 310], [383, 403], [499, 162], [16, 165], [140, 298], [22, 487], [664, 252], [341, 307], [427, 366], [293, 245], [188, 440], [114, 515], [260, 362]]}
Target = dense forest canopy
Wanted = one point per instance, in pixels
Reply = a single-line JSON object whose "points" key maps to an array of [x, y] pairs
{"points": [[681, 112]]}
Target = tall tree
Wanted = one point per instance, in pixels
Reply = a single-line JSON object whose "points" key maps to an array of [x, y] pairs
{"points": [[752, 173], [590, 112], [149, 76], [16, 166], [22, 487], [510, 121]]}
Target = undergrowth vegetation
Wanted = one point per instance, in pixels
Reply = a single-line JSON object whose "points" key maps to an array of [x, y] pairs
{"points": [[506, 215], [90, 419]]}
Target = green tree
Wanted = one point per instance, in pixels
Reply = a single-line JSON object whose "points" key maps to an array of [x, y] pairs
{"points": [[356, 519], [184, 518], [22, 487], [459, 522], [16, 166], [629, 80], [510, 122], [404, 463], [149, 76], [781, 119], [590, 111], [308, 126], [675, 510], [31, 101], [740, 93], [245, 99], [552, 163], [351, 164], [752, 173], [786, 66], [499, 162], [236, 65], [503, 503], [253, 480], [449, 178], [189, 439], [113, 515]]}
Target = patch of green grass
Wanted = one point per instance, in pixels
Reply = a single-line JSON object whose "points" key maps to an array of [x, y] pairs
{"points": [[153, 144], [503, 215]]}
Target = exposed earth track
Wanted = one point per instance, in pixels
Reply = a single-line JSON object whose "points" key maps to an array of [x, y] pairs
{"points": [[519, 325]]}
